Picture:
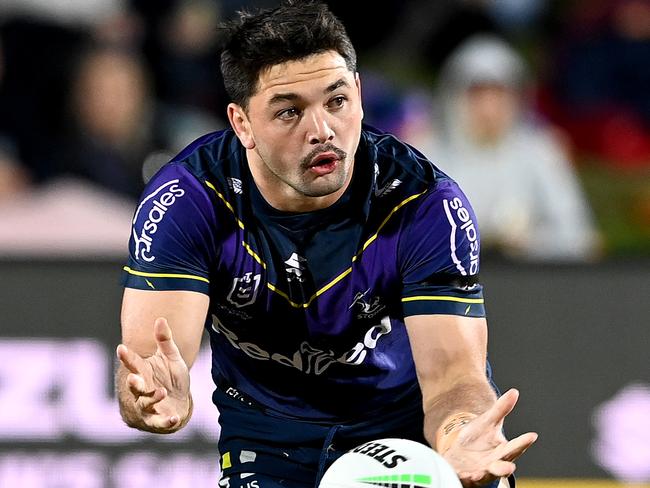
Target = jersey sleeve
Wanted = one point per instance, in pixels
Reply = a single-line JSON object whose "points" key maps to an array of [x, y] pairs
{"points": [[439, 256], [172, 235]]}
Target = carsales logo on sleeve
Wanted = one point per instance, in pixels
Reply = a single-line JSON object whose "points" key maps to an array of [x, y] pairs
{"points": [[163, 198], [459, 216]]}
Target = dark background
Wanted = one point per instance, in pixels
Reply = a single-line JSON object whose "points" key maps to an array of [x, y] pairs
{"points": [[568, 337]]}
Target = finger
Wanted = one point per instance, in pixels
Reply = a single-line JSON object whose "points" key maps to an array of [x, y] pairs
{"points": [[137, 385], [163, 422], [517, 446], [501, 469], [166, 344], [132, 361], [148, 401], [502, 407]]}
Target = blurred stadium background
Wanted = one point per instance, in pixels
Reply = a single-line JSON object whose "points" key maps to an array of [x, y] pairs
{"points": [[96, 94]]}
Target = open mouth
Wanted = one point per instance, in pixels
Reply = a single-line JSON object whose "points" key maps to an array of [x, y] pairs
{"points": [[324, 163]]}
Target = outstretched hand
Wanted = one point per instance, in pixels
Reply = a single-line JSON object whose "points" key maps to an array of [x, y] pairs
{"points": [[160, 384], [480, 453]]}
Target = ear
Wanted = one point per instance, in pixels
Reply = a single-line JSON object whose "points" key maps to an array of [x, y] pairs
{"points": [[357, 82], [241, 125]]}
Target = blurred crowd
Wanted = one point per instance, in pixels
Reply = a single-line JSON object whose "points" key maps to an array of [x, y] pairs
{"points": [[513, 98]]}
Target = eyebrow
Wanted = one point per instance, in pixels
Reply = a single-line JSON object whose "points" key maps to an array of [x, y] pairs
{"points": [[283, 97], [337, 84]]}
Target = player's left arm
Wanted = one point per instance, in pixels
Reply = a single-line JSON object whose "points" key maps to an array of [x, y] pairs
{"points": [[463, 417]]}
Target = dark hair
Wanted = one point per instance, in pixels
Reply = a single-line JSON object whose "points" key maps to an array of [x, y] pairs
{"points": [[294, 30]]}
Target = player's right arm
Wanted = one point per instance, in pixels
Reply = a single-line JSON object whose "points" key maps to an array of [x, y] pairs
{"points": [[166, 300], [161, 335]]}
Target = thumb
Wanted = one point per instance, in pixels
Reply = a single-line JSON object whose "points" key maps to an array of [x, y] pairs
{"points": [[502, 407], [165, 340]]}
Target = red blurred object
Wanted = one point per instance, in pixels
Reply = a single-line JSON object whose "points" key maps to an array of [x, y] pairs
{"points": [[613, 134]]}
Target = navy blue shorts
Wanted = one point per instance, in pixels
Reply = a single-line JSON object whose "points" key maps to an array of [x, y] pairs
{"points": [[260, 449]]}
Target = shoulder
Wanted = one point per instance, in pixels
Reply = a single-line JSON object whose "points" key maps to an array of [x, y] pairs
{"points": [[402, 168], [211, 164], [404, 177], [211, 155], [394, 158]]}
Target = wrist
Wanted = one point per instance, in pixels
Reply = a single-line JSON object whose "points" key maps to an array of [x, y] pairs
{"points": [[450, 428]]}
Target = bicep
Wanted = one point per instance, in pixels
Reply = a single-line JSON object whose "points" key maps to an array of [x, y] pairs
{"points": [[185, 312], [447, 349]]}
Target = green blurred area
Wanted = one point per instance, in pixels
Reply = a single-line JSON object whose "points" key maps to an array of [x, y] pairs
{"points": [[620, 200]]}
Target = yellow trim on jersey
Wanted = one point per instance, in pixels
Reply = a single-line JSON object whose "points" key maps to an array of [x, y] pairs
{"points": [[164, 275], [228, 205], [315, 295], [444, 299], [254, 254], [225, 461], [381, 226], [273, 288]]}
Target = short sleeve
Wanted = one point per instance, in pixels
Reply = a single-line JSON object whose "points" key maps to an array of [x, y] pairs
{"points": [[439, 256], [172, 235]]}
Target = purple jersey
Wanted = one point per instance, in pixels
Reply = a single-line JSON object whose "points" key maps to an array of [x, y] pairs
{"points": [[307, 309]]}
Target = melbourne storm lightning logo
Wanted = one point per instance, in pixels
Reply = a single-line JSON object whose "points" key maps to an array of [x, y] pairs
{"points": [[368, 307]]}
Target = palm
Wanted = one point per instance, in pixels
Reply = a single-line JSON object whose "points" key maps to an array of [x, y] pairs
{"points": [[160, 383], [173, 376], [481, 453]]}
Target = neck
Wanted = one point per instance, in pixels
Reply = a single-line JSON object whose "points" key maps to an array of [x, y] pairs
{"points": [[284, 197]]}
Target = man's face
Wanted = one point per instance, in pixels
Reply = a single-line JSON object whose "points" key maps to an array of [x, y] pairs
{"points": [[490, 111], [302, 129]]}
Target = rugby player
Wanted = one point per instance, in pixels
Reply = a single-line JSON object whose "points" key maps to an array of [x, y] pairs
{"points": [[334, 268]]}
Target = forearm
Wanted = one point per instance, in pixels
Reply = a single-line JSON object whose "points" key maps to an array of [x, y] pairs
{"points": [[451, 408], [132, 415]]}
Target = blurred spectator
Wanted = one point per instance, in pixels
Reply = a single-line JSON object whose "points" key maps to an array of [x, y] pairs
{"points": [[526, 197], [425, 32], [13, 176], [116, 126], [38, 56], [600, 83], [69, 12], [180, 47]]}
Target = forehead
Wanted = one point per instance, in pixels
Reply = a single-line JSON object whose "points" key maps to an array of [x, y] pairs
{"points": [[313, 72]]}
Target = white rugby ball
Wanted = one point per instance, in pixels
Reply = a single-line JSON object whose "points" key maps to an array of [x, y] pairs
{"points": [[390, 463]]}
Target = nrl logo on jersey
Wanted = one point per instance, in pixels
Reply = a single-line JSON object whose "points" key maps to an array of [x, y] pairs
{"points": [[368, 307], [244, 290], [235, 185]]}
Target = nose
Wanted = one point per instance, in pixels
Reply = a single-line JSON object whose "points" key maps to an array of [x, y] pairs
{"points": [[319, 130]]}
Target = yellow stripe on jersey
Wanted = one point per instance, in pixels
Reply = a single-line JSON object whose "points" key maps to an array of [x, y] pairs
{"points": [[443, 299], [226, 203], [334, 281], [273, 288], [165, 275], [254, 254], [225, 461], [229, 206], [381, 226]]}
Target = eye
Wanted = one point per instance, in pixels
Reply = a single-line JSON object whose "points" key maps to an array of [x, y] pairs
{"points": [[337, 102], [288, 114]]}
